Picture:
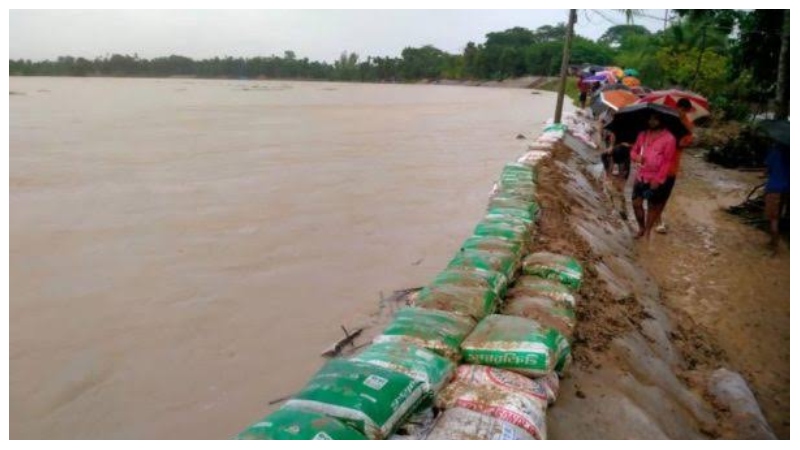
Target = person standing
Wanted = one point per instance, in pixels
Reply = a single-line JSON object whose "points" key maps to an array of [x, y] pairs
{"points": [[654, 151], [616, 161], [585, 87], [777, 190], [684, 106]]}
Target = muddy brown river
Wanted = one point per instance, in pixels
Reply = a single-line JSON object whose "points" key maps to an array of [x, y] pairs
{"points": [[181, 251]]}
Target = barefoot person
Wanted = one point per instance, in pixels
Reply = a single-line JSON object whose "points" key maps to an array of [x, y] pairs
{"points": [[684, 106], [654, 151], [777, 190]]}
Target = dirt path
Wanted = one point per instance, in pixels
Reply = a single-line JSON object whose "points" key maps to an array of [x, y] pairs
{"points": [[715, 275]]}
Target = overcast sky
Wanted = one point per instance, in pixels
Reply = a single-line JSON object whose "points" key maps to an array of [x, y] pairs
{"points": [[316, 34]]}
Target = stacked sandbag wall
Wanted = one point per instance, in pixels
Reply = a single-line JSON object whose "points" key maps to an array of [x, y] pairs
{"points": [[477, 355]]}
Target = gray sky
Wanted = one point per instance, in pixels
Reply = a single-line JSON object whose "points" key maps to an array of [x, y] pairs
{"points": [[318, 35]]}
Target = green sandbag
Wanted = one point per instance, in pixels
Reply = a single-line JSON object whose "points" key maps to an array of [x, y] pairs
{"points": [[371, 399], [474, 302], [498, 261], [508, 228], [474, 277], [502, 214], [558, 267], [491, 243], [558, 314], [542, 287], [517, 344], [430, 369], [438, 331], [508, 201], [516, 190], [519, 170], [292, 424]]}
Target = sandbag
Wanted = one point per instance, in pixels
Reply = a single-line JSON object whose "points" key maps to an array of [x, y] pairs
{"points": [[554, 266], [558, 314], [535, 286], [430, 369], [474, 302], [417, 427], [502, 214], [438, 331], [544, 389], [475, 277], [291, 424], [510, 201], [465, 424], [371, 399], [517, 344], [493, 244], [509, 405], [493, 260]]}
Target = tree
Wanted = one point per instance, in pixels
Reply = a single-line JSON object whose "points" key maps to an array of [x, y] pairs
{"points": [[782, 88], [615, 35]]}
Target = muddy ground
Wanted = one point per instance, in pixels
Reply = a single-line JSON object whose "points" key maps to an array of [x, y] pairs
{"points": [[726, 302], [716, 276]]}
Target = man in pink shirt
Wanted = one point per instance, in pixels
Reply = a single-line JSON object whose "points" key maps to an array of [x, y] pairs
{"points": [[654, 150]]}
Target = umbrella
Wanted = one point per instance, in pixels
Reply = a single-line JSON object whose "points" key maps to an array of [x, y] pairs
{"points": [[590, 67], [618, 72], [598, 78], [615, 87], [632, 119], [631, 72], [631, 81], [641, 91], [777, 130], [609, 75], [611, 99], [670, 98]]}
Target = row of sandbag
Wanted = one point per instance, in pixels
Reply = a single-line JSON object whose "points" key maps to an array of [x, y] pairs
{"points": [[519, 355], [514, 359], [372, 393]]}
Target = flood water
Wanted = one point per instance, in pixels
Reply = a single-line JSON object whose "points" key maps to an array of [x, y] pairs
{"points": [[181, 251]]}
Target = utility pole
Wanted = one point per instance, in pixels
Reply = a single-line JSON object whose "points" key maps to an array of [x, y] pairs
{"points": [[562, 85]]}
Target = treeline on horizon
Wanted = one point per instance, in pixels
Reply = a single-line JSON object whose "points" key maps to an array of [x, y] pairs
{"points": [[731, 56]]}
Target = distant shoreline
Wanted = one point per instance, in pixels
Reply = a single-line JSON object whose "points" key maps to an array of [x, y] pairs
{"points": [[526, 82]]}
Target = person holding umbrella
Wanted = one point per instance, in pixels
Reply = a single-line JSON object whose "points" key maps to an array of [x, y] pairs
{"points": [[655, 130], [684, 107], [654, 150]]}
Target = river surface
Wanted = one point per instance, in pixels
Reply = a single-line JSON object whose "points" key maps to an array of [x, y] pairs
{"points": [[181, 251]]}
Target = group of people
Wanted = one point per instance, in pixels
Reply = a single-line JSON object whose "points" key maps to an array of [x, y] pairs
{"points": [[656, 153]]}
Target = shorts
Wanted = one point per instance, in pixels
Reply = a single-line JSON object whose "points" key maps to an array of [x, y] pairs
{"points": [[773, 204], [620, 157], [669, 183], [657, 196], [582, 98]]}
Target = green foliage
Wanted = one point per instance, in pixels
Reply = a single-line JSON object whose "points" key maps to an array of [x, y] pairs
{"points": [[686, 67], [618, 33], [570, 90]]}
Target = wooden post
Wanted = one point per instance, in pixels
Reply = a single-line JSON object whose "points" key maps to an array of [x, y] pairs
{"points": [[562, 85]]}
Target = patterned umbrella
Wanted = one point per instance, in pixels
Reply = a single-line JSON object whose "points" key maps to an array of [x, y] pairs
{"points": [[670, 98], [612, 99]]}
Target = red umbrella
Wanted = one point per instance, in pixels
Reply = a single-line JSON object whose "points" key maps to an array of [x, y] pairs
{"points": [[670, 98]]}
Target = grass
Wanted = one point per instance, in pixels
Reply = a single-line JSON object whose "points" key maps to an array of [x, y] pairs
{"points": [[571, 90]]}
